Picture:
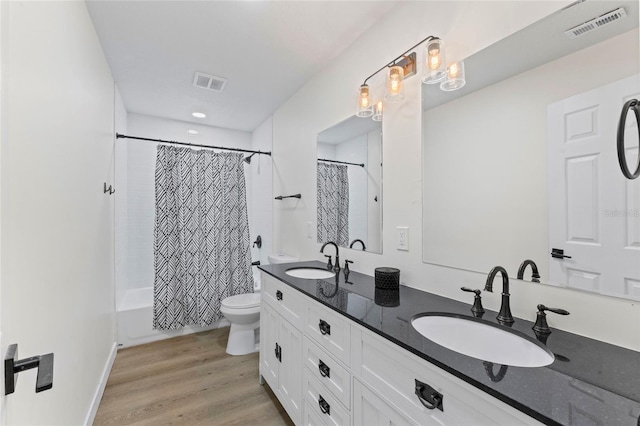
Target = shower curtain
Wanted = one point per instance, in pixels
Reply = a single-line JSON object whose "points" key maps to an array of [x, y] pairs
{"points": [[333, 203], [201, 236]]}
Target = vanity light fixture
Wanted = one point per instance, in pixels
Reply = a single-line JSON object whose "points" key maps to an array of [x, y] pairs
{"points": [[405, 65], [377, 111]]}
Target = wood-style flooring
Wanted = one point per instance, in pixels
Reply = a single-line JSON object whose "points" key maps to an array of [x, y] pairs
{"points": [[188, 380]]}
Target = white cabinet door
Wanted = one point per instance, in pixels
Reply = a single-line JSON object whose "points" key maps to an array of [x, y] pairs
{"points": [[290, 374], [369, 409], [593, 209], [268, 339]]}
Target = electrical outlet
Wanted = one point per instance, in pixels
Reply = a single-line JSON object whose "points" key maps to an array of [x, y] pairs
{"points": [[402, 233], [309, 230]]}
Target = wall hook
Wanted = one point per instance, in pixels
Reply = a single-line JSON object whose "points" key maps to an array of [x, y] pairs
{"points": [[110, 189]]}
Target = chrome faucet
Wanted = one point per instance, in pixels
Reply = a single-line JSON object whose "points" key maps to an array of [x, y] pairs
{"points": [[336, 268], [535, 276], [504, 317], [357, 240]]}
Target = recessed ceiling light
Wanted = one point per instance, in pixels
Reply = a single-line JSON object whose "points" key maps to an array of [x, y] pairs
{"points": [[193, 132], [199, 114]]}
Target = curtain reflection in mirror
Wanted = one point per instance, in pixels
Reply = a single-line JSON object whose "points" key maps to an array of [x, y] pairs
{"points": [[333, 203]]}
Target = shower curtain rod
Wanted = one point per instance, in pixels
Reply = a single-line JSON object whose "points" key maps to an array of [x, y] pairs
{"points": [[120, 136], [341, 162]]}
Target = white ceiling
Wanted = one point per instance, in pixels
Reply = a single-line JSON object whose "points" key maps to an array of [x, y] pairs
{"points": [[266, 49]]}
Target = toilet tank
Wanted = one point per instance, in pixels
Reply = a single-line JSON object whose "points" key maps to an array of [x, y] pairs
{"points": [[281, 258]]}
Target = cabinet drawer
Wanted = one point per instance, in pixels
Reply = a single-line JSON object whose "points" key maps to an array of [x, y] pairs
{"points": [[391, 372], [321, 404], [287, 301], [328, 372], [330, 330]]}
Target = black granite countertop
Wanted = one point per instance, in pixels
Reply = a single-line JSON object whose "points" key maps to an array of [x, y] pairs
{"points": [[590, 382]]}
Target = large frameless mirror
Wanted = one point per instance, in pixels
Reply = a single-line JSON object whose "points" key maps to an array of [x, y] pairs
{"points": [[521, 163], [349, 184]]}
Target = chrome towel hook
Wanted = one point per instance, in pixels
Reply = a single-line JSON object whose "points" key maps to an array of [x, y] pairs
{"points": [[622, 158]]}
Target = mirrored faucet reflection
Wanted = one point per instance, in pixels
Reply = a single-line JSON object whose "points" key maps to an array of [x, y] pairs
{"points": [[336, 268], [357, 240], [504, 317], [488, 368], [535, 276]]}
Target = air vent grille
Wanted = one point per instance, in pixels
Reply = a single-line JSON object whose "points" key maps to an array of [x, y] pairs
{"points": [[598, 22], [209, 82]]}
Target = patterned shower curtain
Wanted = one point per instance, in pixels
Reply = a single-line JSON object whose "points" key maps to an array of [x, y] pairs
{"points": [[201, 236], [333, 203]]}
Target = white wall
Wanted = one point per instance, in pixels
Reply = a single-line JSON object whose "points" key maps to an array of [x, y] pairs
{"points": [[355, 151], [141, 161], [327, 99], [260, 208], [57, 244], [121, 222]]}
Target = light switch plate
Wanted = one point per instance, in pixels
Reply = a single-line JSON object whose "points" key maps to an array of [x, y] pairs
{"points": [[402, 234]]}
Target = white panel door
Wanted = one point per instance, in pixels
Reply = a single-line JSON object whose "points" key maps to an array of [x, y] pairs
{"points": [[594, 211]]}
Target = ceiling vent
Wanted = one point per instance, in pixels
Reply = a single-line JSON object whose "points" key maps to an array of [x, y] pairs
{"points": [[210, 82], [598, 22]]}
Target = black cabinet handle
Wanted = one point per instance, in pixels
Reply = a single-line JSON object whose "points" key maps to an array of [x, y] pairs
{"points": [[559, 254], [325, 327], [279, 295], [324, 405], [276, 351], [428, 396], [325, 371]]}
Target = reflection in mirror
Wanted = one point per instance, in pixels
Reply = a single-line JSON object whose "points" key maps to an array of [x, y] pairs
{"points": [[522, 161], [349, 184]]}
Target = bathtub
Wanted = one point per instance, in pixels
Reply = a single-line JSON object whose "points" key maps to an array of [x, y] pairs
{"points": [[135, 320]]}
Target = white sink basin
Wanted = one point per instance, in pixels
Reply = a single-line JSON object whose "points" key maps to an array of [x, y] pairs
{"points": [[310, 273], [480, 339]]}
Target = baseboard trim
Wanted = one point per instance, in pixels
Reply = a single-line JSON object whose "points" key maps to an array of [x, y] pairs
{"points": [[97, 397]]}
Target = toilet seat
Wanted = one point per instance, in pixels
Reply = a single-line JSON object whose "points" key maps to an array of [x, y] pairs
{"points": [[242, 301]]}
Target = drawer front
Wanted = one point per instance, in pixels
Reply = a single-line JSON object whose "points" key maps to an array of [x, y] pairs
{"points": [[328, 372], [330, 330], [288, 301], [322, 404], [391, 372]]}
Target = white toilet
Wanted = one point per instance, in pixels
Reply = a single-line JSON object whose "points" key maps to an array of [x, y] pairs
{"points": [[243, 312]]}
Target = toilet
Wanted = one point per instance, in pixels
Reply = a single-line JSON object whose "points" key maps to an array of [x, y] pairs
{"points": [[243, 312]]}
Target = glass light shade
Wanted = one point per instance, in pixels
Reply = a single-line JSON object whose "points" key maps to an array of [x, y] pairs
{"points": [[377, 111], [395, 86], [365, 106], [455, 77], [435, 69]]}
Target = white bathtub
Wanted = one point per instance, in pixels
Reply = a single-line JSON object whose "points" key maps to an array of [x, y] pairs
{"points": [[135, 320]]}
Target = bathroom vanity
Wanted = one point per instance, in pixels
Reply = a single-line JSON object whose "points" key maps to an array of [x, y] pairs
{"points": [[342, 353]]}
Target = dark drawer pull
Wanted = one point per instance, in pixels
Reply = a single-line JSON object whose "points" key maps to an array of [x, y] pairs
{"points": [[559, 254], [324, 326], [279, 295], [325, 371], [324, 405], [428, 396]]}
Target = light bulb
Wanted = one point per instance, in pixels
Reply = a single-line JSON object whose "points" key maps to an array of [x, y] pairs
{"points": [[365, 108], [434, 70], [395, 84], [453, 70], [455, 77], [377, 114]]}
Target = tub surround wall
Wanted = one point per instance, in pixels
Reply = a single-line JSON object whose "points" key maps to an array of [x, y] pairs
{"points": [[329, 99]]}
